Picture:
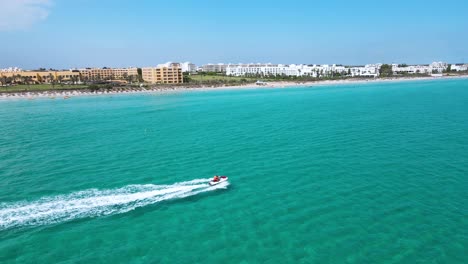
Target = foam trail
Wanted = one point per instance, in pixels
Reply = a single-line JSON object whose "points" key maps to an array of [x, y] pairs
{"points": [[94, 203]]}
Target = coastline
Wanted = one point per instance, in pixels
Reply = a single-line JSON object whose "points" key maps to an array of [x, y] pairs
{"points": [[66, 94]]}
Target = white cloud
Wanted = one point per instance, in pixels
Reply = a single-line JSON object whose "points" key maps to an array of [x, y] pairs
{"points": [[22, 14]]}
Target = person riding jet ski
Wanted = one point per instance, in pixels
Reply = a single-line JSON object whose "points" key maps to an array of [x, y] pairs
{"points": [[216, 178]]}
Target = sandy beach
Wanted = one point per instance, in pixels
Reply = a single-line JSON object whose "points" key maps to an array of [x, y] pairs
{"points": [[168, 89]]}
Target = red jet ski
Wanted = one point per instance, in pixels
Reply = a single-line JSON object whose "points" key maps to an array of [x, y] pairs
{"points": [[218, 180]]}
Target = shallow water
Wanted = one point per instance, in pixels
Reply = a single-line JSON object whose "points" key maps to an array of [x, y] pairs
{"points": [[359, 173]]}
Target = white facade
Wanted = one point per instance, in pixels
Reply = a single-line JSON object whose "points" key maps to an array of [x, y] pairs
{"points": [[11, 69], [461, 67], [411, 69], [263, 69], [369, 70], [220, 67], [269, 69], [437, 67], [169, 64], [188, 67]]}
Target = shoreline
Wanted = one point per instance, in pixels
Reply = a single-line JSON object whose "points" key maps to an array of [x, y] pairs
{"points": [[66, 94]]}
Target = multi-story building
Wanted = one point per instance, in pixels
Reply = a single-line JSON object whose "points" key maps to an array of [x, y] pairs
{"points": [[169, 73], [438, 66], [284, 70], [188, 67], [259, 69], [435, 67], [41, 76], [107, 73], [459, 67], [220, 67], [369, 70], [411, 69]]}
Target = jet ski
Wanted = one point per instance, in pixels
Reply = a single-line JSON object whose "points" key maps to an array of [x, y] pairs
{"points": [[220, 180]]}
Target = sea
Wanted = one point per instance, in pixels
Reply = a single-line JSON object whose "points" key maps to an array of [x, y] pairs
{"points": [[356, 173]]}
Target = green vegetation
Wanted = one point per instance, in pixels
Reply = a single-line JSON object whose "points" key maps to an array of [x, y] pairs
{"points": [[219, 78], [202, 78], [386, 70], [40, 87], [140, 75], [449, 68]]}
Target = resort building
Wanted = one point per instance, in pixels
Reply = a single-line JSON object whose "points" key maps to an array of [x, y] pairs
{"points": [[107, 73], [285, 70], [369, 70], [188, 67], [435, 67], [459, 67], [11, 69], [220, 67], [41, 76], [438, 67], [169, 73], [260, 69]]}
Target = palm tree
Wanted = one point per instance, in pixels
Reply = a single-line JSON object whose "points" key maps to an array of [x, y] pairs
{"points": [[28, 80], [51, 80], [16, 78], [50, 77]]}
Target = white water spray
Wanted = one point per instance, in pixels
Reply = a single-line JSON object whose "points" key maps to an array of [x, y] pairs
{"points": [[94, 203]]}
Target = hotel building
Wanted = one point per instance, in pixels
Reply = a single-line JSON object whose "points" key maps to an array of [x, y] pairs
{"points": [[188, 67], [459, 67], [435, 67], [298, 70], [42, 76], [220, 67], [107, 73], [169, 73]]}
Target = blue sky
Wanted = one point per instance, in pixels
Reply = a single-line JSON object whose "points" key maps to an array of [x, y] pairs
{"points": [[65, 33]]}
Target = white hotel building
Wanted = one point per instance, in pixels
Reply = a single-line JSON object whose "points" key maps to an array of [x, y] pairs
{"points": [[262, 69], [438, 67], [459, 67], [11, 69], [371, 70], [188, 67]]}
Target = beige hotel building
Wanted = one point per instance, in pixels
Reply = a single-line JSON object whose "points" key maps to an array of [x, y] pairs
{"points": [[42, 76], [107, 73], [169, 73]]}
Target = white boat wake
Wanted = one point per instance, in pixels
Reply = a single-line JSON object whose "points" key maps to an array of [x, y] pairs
{"points": [[94, 203]]}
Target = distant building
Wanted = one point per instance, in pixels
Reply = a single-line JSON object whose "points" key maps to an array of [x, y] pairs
{"points": [[220, 67], [168, 73], [269, 69], [188, 67], [438, 66], [41, 76], [260, 69], [459, 67], [107, 73], [411, 69], [369, 70], [435, 67], [11, 69]]}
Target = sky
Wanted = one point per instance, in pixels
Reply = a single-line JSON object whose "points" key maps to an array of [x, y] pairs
{"points": [[65, 34]]}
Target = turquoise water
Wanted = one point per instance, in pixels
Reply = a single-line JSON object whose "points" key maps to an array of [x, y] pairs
{"points": [[363, 173]]}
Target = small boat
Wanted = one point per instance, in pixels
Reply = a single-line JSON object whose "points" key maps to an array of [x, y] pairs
{"points": [[220, 180]]}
